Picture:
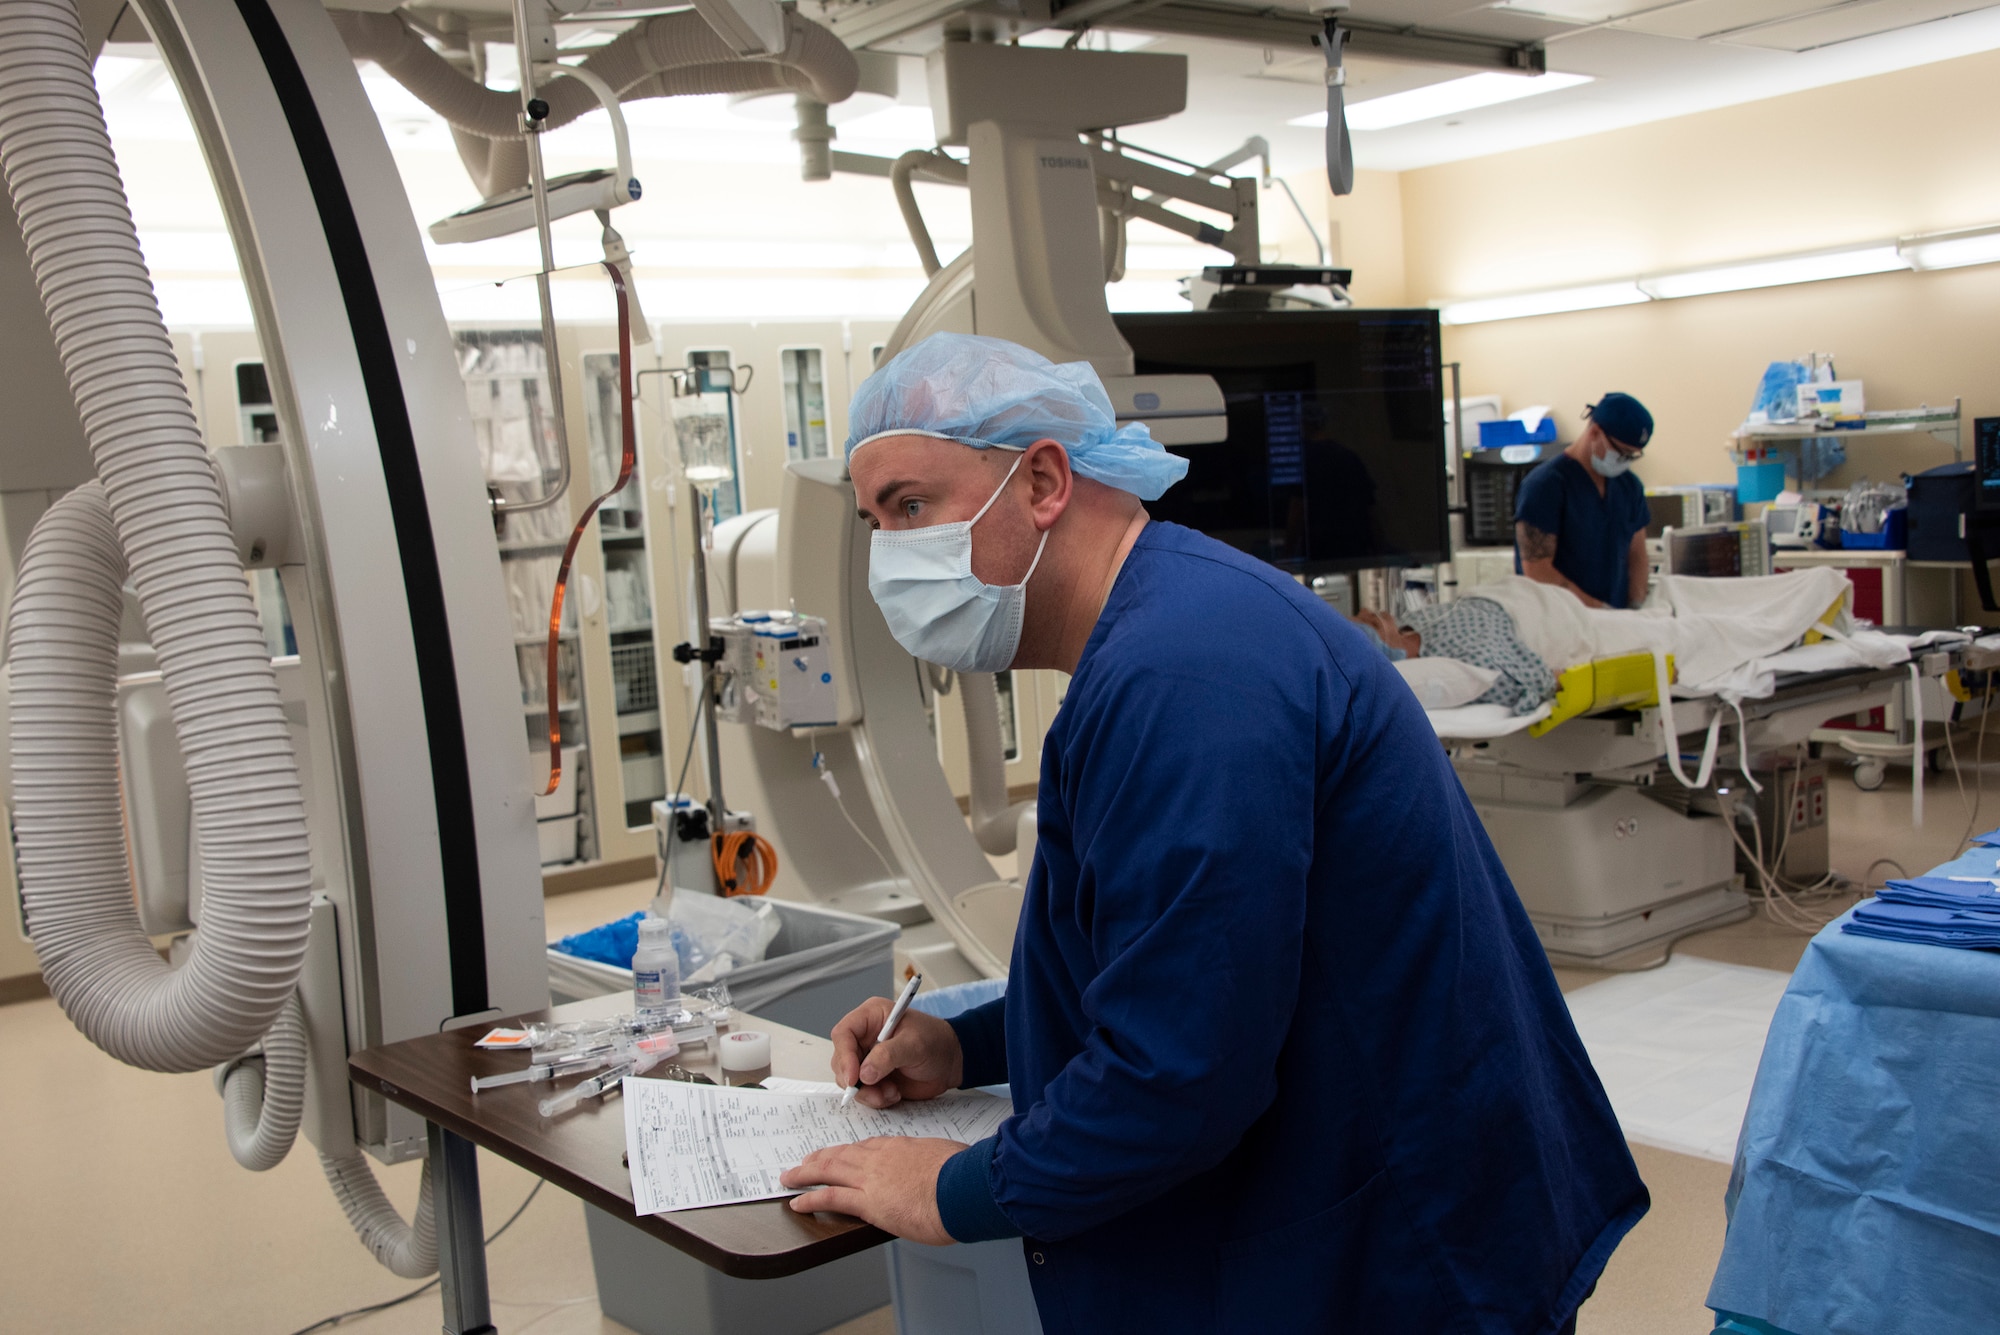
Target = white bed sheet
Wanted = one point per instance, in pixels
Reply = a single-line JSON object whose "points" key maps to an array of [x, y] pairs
{"points": [[1757, 612], [1757, 679], [1712, 627], [1476, 723]]}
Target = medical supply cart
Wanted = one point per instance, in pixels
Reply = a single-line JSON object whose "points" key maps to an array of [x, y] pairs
{"points": [[1890, 590]]}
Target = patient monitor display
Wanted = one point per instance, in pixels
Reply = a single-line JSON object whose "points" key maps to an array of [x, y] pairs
{"points": [[1986, 461], [1335, 454], [1719, 551]]}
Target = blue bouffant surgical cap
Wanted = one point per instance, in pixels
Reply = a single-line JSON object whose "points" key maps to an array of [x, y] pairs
{"points": [[987, 392]]}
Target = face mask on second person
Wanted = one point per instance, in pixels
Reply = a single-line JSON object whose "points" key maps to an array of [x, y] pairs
{"points": [[1614, 462]]}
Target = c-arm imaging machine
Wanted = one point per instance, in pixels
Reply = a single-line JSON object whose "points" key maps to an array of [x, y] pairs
{"points": [[361, 838], [1035, 274], [339, 842]]}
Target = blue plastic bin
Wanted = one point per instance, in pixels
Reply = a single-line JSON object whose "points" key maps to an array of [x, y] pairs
{"points": [[1507, 431], [1893, 537], [1759, 481], [978, 1288]]}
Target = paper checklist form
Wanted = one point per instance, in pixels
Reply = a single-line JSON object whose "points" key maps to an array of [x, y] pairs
{"points": [[694, 1145]]}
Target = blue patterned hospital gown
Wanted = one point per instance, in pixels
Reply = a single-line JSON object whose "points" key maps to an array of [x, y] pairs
{"points": [[1479, 631]]}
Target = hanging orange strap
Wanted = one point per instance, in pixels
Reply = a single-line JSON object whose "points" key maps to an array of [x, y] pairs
{"points": [[630, 440]]}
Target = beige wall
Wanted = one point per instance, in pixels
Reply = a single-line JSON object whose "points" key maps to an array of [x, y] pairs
{"points": [[1907, 152], [1912, 338], [1363, 231]]}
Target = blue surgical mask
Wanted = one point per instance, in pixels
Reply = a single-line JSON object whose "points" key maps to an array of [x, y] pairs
{"points": [[1389, 651], [936, 607], [1614, 462]]}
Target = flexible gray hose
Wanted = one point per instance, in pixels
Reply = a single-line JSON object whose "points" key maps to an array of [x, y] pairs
{"points": [[409, 1250], [262, 1102], [159, 506], [665, 56]]}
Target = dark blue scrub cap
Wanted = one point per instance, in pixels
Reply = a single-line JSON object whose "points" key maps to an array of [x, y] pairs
{"points": [[1624, 419]]}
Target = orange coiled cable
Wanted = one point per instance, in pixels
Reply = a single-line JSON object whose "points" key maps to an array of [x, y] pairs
{"points": [[745, 863], [630, 441]]}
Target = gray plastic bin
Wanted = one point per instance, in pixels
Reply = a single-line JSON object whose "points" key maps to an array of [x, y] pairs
{"points": [[821, 965], [647, 1285]]}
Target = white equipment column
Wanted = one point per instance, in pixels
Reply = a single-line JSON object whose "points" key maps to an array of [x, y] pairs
{"points": [[422, 823]]}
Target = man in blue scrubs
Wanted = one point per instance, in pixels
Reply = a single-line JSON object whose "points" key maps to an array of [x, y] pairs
{"points": [[1284, 1050], [1580, 519]]}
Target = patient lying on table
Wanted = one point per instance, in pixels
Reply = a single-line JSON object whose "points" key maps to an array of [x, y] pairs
{"points": [[1715, 631], [1472, 630]]}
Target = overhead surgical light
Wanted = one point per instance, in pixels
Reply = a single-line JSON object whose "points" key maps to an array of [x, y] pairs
{"points": [[579, 192], [1447, 98]]}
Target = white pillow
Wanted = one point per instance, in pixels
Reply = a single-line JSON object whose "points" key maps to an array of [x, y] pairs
{"points": [[1445, 683]]}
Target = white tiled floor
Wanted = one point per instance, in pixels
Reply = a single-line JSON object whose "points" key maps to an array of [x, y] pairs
{"points": [[124, 1211]]}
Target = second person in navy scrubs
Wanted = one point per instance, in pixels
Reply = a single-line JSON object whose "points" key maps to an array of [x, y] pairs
{"points": [[1580, 519]]}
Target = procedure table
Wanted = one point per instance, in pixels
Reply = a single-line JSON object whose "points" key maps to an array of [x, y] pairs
{"points": [[1865, 1198], [583, 1152]]}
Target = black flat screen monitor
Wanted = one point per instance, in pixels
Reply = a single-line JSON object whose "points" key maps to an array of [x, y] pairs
{"points": [[1335, 457], [1986, 461]]}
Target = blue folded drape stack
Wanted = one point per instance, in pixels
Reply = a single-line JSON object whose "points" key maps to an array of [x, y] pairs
{"points": [[1961, 912]]}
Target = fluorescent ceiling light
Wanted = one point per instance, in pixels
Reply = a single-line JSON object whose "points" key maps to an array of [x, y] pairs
{"points": [[1445, 99], [1935, 250], [1094, 39], [1951, 250], [1592, 298], [1776, 273]]}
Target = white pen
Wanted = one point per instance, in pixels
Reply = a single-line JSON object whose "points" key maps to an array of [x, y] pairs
{"points": [[888, 1028]]}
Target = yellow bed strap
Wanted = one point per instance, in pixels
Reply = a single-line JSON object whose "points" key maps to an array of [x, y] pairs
{"points": [[1826, 618], [1624, 681]]}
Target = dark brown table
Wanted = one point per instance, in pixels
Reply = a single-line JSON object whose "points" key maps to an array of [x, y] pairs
{"points": [[583, 1153]]}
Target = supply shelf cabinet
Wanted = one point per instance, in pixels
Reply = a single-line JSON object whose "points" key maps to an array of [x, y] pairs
{"points": [[1786, 441], [507, 396], [625, 704]]}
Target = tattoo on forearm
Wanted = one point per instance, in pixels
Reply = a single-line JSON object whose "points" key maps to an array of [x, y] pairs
{"points": [[1535, 544]]}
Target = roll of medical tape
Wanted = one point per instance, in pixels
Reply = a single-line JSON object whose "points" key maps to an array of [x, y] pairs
{"points": [[745, 1050]]}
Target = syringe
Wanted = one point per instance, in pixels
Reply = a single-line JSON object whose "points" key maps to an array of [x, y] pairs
{"points": [[551, 1041], [657, 1046], [547, 1070], [638, 1064]]}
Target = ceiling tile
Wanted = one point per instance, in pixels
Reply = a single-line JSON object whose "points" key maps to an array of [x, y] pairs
{"points": [[1708, 18], [1845, 23]]}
